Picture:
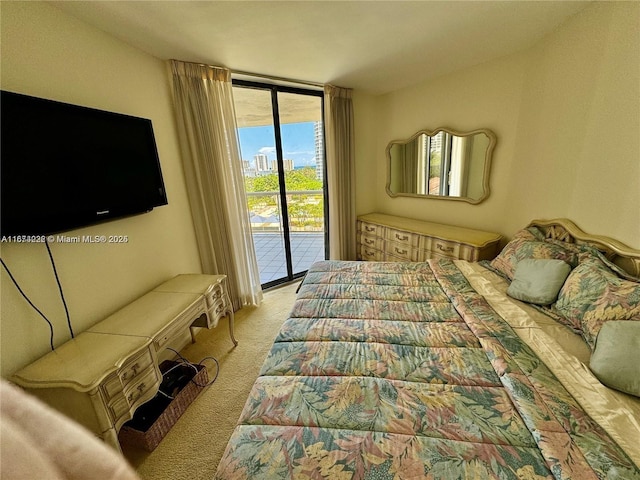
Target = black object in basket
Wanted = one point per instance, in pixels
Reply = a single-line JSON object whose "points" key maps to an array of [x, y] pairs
{"points": [[154, 419]]}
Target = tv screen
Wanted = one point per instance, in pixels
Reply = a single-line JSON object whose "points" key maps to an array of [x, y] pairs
{"points": [[64, 166]]}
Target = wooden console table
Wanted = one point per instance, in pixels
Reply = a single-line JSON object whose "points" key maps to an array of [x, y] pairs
{"points": [[100, 377]]}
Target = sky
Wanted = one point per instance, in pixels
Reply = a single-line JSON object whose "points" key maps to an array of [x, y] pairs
{"points": [[298, 143]]}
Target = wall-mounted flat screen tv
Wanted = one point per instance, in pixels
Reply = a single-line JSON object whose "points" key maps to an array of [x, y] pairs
{"points": [[65, 166]]}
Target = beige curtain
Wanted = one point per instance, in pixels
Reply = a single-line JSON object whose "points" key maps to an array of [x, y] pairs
{"points": [[338, 123], [206, 121]]}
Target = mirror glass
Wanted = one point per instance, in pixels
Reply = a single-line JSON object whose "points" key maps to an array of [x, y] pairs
{"points": [[443, 164]]}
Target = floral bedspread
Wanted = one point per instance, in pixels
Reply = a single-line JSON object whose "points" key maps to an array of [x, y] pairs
{"points": [[403, 371]]}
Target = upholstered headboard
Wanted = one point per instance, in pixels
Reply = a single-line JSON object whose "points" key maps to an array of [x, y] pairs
{"points": [[565, 230]]}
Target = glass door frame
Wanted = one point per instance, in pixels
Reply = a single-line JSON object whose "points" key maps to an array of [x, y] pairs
{"points": [[275, 111]]}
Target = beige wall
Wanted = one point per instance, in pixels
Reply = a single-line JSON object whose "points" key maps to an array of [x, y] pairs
{"points": [[49, 54], [367, 147], [482, 97], [578, 138], [568, 125]]}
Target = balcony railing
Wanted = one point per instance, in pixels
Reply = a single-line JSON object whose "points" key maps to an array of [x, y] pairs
{"points": [[306, 225], [305, 208]]}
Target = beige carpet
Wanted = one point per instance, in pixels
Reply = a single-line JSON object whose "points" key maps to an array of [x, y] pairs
{"points": [[193, 447]]}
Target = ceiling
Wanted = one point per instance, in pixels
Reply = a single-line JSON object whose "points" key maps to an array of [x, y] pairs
{"points": [[374, 46]]}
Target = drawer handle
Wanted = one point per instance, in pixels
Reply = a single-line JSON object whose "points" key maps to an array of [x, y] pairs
{"points": [[401, 252], [369, 252], [141, 388], [443, 249], [370, 229], [404, 238], [369, 241], [134, 368]]}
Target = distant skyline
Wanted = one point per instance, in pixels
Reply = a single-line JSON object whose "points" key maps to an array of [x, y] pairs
{"points": [[298, 143]]}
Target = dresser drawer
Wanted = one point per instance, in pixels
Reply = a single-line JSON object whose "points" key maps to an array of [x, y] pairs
{"points": [[399, 251], [472, 254], [444, 248], [370, 254], [392, 258], [371, 229], [401, 237], [372, 242]]}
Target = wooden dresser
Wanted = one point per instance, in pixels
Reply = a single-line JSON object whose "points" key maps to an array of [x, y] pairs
{"points": [[389, 238]]}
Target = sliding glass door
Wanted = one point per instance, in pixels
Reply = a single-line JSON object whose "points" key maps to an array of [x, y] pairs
{"points": [[282, 148]]}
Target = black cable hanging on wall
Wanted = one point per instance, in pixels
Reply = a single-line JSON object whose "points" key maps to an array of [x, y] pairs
{"points": [[24, 295], [30, 302], [55, 272]]}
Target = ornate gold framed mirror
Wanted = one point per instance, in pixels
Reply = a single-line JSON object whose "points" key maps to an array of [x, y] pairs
{"points": [[442, 164]]}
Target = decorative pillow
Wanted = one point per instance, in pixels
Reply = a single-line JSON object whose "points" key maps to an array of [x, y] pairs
{"points": [[530, 243], [616, 357], [593, 294], [585, 250], [538, 281]]}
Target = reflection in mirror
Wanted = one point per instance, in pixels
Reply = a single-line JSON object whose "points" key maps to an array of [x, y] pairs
{"points": [[443, 164]]}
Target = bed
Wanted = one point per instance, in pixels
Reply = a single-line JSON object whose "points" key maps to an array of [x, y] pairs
{"points": [[525, 367]]}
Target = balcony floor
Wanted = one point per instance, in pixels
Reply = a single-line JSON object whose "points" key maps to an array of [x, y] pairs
{"points": [[306, 248]]}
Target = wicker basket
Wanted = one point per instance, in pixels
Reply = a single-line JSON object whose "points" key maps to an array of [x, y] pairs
{"points": [[131, 436]]}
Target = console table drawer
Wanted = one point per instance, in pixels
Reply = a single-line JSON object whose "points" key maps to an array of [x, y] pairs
{"points": [[121, 407], [217, 305], [179, 324], [137, 366], [135, 391], [214, 295], [217, 311]]}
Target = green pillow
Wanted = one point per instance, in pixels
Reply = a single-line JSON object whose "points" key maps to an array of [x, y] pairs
{"points": [[616, 357], [538, 280]]}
